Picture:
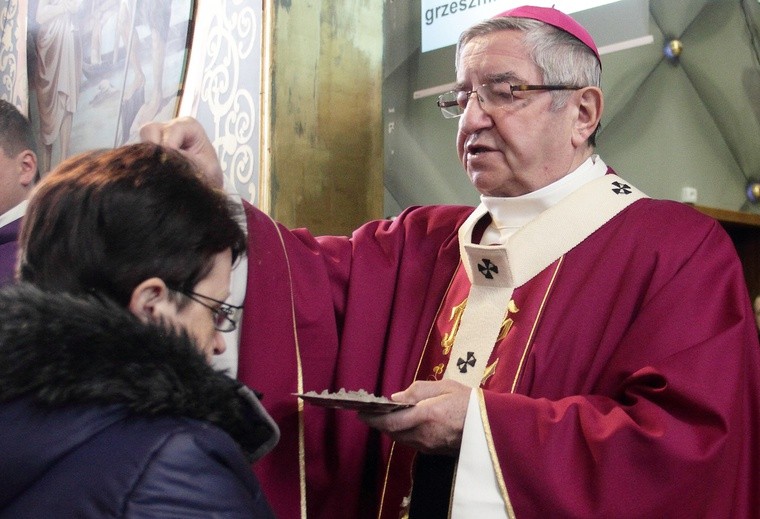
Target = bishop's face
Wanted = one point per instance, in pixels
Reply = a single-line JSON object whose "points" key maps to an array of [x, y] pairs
{"points": [[523, 146]]}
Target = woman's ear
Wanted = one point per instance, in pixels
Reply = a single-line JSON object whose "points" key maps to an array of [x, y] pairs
{"points": [[590, 107], [149, 299]]}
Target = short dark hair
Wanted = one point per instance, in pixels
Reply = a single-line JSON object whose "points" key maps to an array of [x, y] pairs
{"points": [[104, 221], [16, 133]]}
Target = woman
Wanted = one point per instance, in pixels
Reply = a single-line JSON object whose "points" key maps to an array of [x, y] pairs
{"points": [[108, 407]]}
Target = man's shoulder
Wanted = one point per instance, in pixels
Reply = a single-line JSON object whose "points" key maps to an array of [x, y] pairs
{"points": [[9, 231], [433, 224], [670, 213], [436, 214], [667, 224]]}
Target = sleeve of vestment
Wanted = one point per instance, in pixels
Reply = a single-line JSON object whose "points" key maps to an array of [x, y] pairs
{"points": [[331, 312]]}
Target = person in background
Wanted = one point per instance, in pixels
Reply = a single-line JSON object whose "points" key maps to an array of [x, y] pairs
{"points": [[108, 406], [573, 347], [18, 173]]}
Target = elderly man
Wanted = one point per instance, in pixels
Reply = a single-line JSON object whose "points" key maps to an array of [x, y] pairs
{"points": [[573, 347], [18, 171]]}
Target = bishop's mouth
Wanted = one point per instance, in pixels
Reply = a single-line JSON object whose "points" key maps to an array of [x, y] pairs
{"points": [[478, 149]]}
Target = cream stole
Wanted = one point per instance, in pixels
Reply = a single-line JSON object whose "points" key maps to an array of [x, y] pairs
{"points": [[496, 270]]}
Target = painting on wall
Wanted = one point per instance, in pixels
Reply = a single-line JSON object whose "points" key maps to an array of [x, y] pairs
{"points": [[13, 81], [99, 69]]}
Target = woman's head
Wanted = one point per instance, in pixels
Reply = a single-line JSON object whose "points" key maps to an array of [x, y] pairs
{"points": [[104, 222]]}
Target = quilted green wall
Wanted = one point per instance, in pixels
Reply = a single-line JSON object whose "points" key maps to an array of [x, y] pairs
{"points": [[667, 125]]}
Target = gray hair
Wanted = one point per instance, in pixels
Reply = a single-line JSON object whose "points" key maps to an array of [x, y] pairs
{"points": [[562, 58]]}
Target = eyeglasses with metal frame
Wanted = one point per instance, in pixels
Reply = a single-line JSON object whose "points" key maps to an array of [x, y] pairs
{"points": [[225, 315], [497, 94]]}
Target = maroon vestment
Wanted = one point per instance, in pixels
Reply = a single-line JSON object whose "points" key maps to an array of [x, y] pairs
{"points": [[638, 395]]}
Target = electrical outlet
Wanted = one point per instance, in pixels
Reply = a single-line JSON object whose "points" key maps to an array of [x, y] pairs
{"points": [[689, 194]]}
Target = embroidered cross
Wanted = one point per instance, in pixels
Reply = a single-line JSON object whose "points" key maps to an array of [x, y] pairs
{"points": [[487, 268], [621, 189], [462, 364]]}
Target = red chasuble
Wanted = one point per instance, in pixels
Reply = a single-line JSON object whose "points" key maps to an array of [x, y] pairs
{"points": [[503, 366], [631, 390]]}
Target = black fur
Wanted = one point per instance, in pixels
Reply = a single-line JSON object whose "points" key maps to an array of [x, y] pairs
{"points": [[60, 349]]}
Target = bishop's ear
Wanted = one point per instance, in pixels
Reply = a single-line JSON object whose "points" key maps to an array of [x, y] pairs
{"points": [[590, 107]]}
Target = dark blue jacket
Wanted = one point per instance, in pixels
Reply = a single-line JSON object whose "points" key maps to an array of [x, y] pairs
{"points": [[103, 416]]}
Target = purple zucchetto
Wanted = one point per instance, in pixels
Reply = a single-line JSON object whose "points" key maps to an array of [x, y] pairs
{"points": [[556, 18]]}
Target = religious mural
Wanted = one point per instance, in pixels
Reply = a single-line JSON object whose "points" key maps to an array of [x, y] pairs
{"points": [[89, 73], [13, 79], [99, 69]]}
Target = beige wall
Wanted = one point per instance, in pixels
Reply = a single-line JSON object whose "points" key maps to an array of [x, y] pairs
{"points": [[324, 142]]}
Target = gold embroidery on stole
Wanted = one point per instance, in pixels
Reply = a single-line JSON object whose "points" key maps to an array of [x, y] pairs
{"points": [[456, 316], [490, 371], [508, 322], [389, 463], [481, 398], [448, 338]]}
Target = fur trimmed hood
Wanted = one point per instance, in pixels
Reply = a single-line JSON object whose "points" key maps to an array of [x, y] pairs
{"points": [[58, 349]]}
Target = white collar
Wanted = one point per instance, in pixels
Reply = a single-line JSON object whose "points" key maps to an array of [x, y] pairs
{"points": [[508, 214], [13, 214]]}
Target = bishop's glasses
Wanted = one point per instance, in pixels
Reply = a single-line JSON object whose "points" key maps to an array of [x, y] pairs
{"points": [[493, 95]]}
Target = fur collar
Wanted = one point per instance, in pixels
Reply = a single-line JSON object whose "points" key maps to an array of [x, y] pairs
{"points": [[60, 349]]}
